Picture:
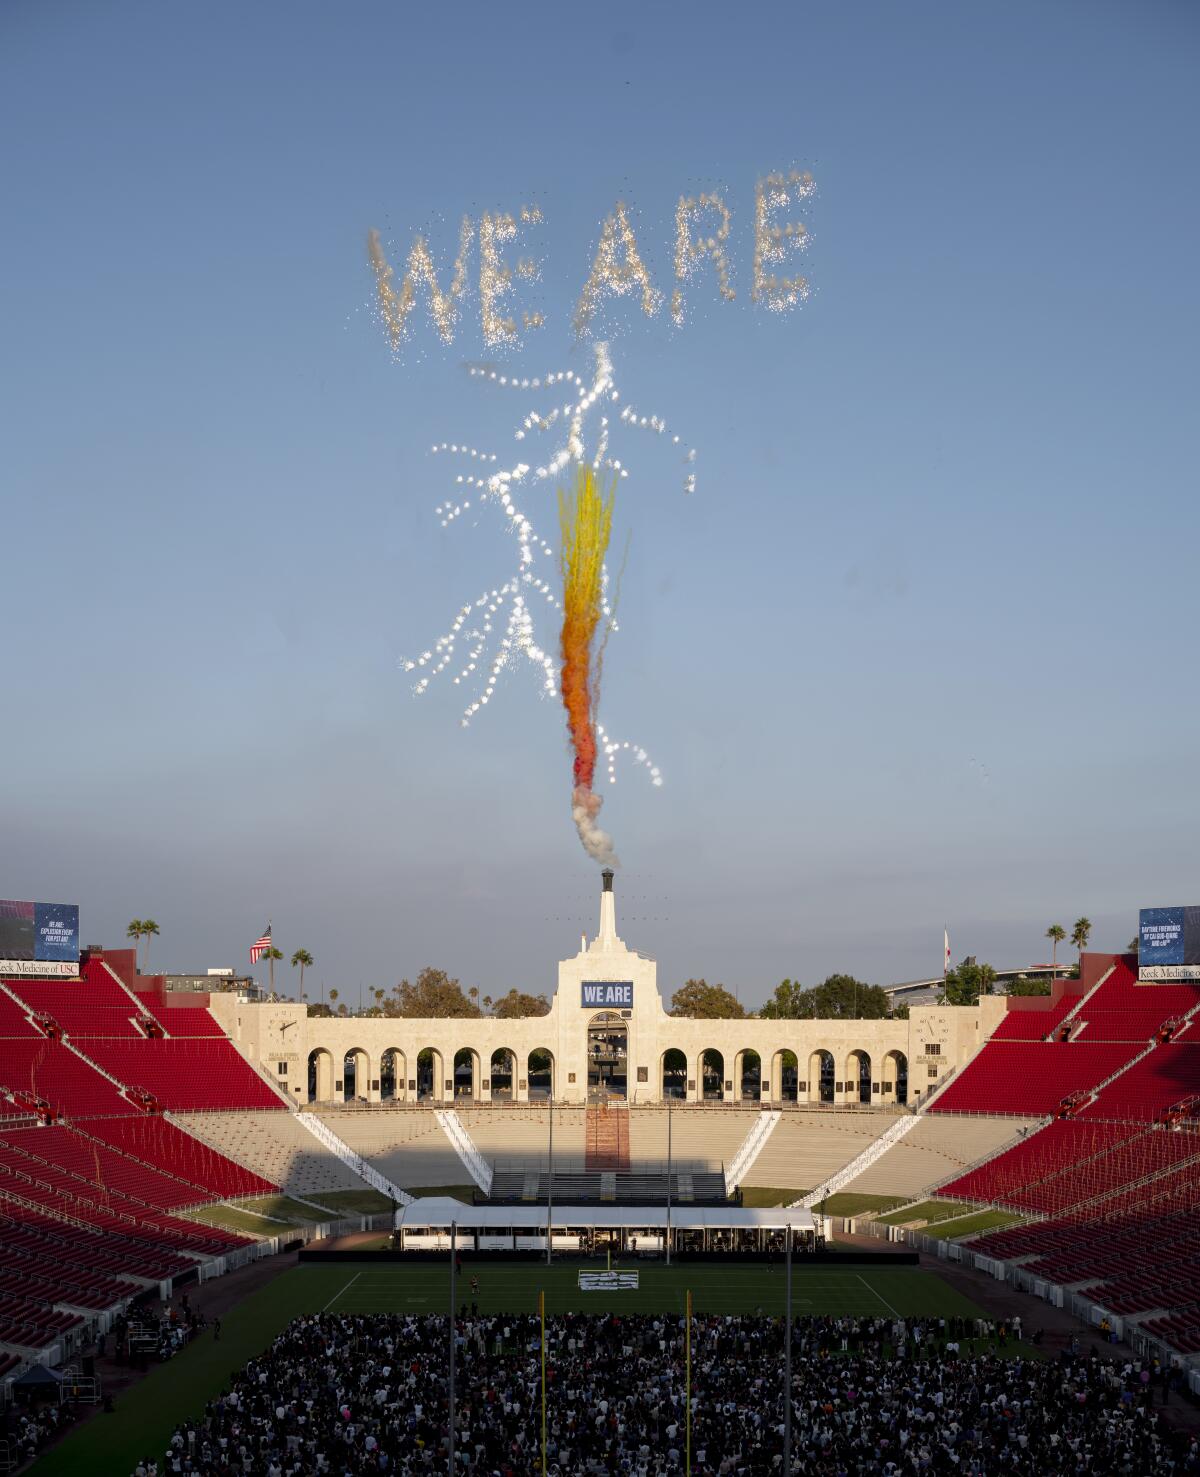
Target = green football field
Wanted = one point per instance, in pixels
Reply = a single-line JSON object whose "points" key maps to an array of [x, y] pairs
{"points": [[147, 1413]]}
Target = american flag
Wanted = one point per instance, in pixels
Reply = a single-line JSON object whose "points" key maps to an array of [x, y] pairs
{"points": [[260, 945]]}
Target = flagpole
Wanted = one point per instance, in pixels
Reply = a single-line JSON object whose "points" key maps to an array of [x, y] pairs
{"points": [[688, 1409], [453, 1255], [787, 1366], [542, 1312], [669, 1181]]}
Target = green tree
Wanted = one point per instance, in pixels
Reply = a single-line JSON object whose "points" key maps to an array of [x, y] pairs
{"points": [[840, 997], [149, 931], [790, 1002], [304, 959], [1080, 935], [270, 955], [333, 994], [434, 995], [966, 983], [699, 1000], [134, 932], [517, 1004], [487, 1004], [318, 1010], [1055, 933], [1023, 985]]}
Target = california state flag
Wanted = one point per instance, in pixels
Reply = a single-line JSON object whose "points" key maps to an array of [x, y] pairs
{"points": [[946, 954]]}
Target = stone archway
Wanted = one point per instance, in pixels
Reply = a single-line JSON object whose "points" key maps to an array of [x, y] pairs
{"points": [[895, 1077], [672, 1074], [821, 1076], [356, 1076], [502, 1075], [747, 1076], [607, 1055], [712, 1076], [393, 1076], [539, 1073], [466, 1074], [320, 1075], [858, 1077], [785, 1072], [430, 1075]]}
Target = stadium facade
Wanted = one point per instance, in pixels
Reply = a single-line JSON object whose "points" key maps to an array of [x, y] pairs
{"points": [[607, 1034]]}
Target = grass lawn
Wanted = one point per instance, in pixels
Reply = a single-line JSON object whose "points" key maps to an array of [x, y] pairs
{"points": [[148, 1412], [465, 1193], [352, 1202], [275, 1213], [972, 1225], [928, 1210], [760, 1195], [847, 1203]]}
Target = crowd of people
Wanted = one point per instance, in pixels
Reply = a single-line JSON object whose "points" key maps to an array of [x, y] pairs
{"points": [[340, 1395]]}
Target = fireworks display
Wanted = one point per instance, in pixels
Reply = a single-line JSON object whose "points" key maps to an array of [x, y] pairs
{"points": [[496, 630], [585, 516]]}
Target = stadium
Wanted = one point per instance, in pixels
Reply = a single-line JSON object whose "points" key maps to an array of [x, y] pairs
{"points": [[183, 1177]]}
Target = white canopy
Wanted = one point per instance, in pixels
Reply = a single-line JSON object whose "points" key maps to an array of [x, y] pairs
{"points": [[436, 1210]]}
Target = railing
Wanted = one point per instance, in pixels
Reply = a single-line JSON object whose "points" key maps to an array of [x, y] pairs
{"points": [[874, 1150], [749, 1150], [464, 1146], [352, 1159]]}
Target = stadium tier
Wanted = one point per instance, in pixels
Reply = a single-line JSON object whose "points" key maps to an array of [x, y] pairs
{"points": [[1033, 1025], [186, 1074], [1030, 1078], [39, 1070], [1168, 1075], [276, 1145], [179, 1020]]}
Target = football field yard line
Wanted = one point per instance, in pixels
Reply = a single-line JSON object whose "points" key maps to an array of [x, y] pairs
{"points": [[876, 1293], [340, 1293]]}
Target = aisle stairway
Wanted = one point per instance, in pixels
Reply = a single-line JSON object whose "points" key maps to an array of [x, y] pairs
{"points": [[607, 1138]]}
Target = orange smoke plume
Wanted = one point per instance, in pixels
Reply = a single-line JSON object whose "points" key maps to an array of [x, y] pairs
{"points": [[585, 514]]}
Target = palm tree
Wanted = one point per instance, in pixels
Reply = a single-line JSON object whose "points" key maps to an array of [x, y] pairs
{"points": [[304, 959], [1055, 933], [378, 1001], [1080, 935], [487, 1004], [333, 994], [149, 930], [270, 955], [134, 932]]}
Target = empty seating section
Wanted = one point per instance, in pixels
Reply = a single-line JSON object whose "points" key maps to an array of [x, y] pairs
{"points": [[1033, 1025], [408, 1146], [275, 1145], [1135, 1023], [156, 1142], [14, 1022], [31, 1324], [1169, 1074], [82, 1009], [807, 1147], [1140, 1260], [937, 1148], [1076, 1165], [50, 1071], [520, 1134], [180, 1020], [51, 1244], [185, 1074], [1030, 1078]]}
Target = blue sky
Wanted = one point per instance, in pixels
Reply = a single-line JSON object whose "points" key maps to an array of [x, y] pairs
{"points": [[917, 653]]}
